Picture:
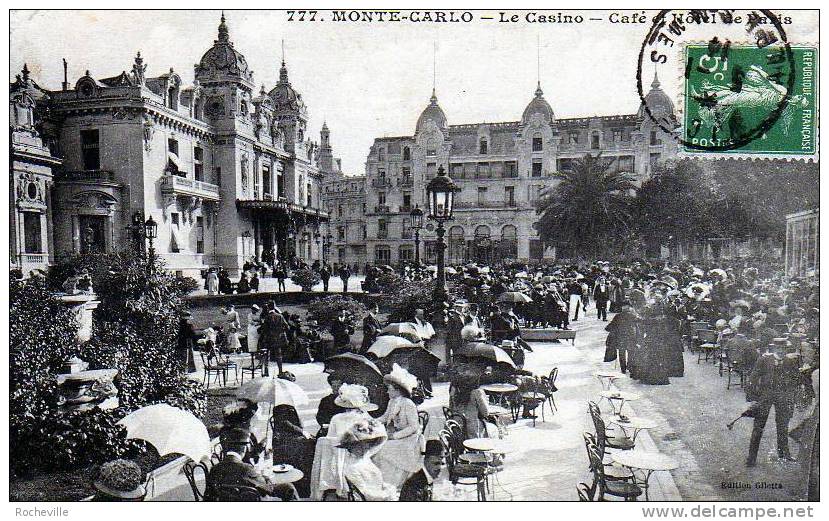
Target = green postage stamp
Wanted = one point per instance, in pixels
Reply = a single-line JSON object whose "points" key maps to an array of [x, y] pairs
{"points": [[751, 100]]}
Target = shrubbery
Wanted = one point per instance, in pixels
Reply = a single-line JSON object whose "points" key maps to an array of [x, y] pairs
{"points": [[305, 278], [324, 310]]}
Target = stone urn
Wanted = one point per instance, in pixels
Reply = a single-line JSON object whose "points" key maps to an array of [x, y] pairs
{"points": [[86, 389]]}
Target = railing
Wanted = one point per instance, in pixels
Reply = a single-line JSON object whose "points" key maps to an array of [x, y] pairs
{"points": [[486, 204], [34, 258], [405, 208], [406, 182], [382, 235], [382, 209], [382, 182], [182, 185], [87, 175]]}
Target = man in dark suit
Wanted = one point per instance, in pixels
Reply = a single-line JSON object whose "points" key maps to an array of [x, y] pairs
{"points": [[371, 327], [341, 330], [185, 341], [232, 471], [419, 485], [327, 408], [273, 334]]}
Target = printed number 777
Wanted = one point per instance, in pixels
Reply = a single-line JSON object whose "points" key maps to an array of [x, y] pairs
{"points": [[302, 16]]}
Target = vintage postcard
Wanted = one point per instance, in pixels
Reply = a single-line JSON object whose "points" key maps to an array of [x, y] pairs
{"points": [[415, 255]]}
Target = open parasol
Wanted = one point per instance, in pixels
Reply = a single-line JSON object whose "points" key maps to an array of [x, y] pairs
{"points": [[275, 391], [354, 368], [487, 351], [168, 429], [418, 361], [449, 270], [515, 297], [405, 329], [385, 344]]}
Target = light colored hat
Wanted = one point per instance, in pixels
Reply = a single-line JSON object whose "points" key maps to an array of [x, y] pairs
{"points": [[353, 396], [402, 379], [121, 478], [363, 431], [507, 344], [470, 332]]}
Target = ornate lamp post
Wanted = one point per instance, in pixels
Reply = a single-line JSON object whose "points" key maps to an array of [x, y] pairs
{"points": [[246, 235], [417, 224], [326, 248], [440, 193], [317, 238], [150, 233]]}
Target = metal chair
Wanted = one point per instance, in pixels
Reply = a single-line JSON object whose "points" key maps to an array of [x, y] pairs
{"points": [[551, 383], [462, 473], [423, 418], [190, 473], [623, 489], [707, 344], [354, 493], [603, 440], [584, 491], [213, 366], [236, 493], [255, 365], [535, 397]]}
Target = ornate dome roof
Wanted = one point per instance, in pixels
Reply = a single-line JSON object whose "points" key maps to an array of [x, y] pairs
{"points": [[657, 101], [538, 105], [284, 96], [432, 112], [223, 60]]}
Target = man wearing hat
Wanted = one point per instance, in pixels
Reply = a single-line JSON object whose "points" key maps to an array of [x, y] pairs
{"points": [[419, 486], [185, 341], [371, 327], [233, 472]]}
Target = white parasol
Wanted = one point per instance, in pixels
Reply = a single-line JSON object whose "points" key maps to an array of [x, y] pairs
{"points": [[385, 344], [168, 429], [275, 391]]}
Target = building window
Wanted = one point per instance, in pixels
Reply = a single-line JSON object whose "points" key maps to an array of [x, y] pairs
{"points": [[407, 154], [382, 254], [405, 254], [309, 195], [266, 182], [538, 144], [381, 198], [340, 211], [655, 139], [509, 195], [594, 140], [565, 164], [172, 146], [280, 185], [218, 172], [381, 154], [406, 230], [364, 230], [90, 149], [537, 168], [617, 135], [574, 138], [481, 195], [626, 164], [483, 146], [431, 170], [382, 229], [407, 201], [199, 234], [198, 163], [33, 242], [431, 147], [340, 233], [484, 171], [655, 159], [510, 169]]}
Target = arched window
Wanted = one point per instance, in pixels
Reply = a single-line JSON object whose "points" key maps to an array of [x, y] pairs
{"points": [[509, 242], [483, 146], [594, 140], [482, 232], [538, 142], [431, 147], [457, 245], [407, 154]]}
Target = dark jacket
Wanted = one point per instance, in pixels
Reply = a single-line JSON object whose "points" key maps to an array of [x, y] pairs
{"points": [[327, 409], [622, 334], [416, 488], [371, 327], [235, 472]]}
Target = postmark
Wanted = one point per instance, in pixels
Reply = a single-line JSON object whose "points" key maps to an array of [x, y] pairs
{"points": [[744, 89]]}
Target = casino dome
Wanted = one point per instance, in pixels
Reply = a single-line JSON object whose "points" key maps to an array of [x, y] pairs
{"points": [[284, 96], [222, 60], [432, 112], [657, 101], [538, 105]]}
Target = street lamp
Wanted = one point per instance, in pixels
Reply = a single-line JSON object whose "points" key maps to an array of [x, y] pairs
{"points": [[317, 238], [245, 236], [440, 193], [151, 233], [416, 217], [326, 247]]}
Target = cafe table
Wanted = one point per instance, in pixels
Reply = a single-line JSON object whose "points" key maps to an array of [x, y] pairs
{"points": [[635, 423], [644, 463], [618, 399], [290, 475], [606, 378], [502, 391]]}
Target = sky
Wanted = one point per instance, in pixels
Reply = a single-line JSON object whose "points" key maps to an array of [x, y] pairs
{"points": [[368, 80]]}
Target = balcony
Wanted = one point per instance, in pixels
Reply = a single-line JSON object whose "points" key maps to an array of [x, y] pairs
{"points": [[406, 182], [382, 235], [177, 185], [90, 176], [461, 205], [383, 208], [381, 182], [405, 208]]}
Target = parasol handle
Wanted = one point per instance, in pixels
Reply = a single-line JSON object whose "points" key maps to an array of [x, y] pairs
{"points": [[731, 424]]}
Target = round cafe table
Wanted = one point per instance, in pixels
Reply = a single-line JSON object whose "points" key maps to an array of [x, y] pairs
{"points": [[618, 399], [606, 378], [292, 475], [494, 445], [646, 463], [636, 423], [502, 390]]}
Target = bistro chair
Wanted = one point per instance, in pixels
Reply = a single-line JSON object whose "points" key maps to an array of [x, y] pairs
{"points": [[423, 418], [585, 492], [734, 367], [708, 344], [612, 471], [212, 366], [462, 473], [551, 384], [254, 367], [616, 488], [190, 473], [535, 397], [236, 493], [605, 441], [696, 327]]}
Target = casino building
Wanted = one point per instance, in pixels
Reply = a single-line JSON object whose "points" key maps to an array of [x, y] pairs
{"points": [[501, 169], [228, 171]]}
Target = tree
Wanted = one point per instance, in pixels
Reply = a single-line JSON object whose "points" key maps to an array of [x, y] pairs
{"points": [[588, 212]]}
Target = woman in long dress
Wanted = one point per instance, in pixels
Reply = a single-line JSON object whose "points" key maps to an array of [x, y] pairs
{"points": [[362, 441], [402, 455], [233, 344], [212, 282], [253, 328]]}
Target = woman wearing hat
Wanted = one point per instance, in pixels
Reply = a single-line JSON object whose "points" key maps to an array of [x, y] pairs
{"points": [[253, 328], [354, 398], [361, 441], [119, 480], [233, 344], [401, 455]]}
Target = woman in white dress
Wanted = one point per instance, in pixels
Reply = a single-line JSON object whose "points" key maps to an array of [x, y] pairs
{"points": [[232, 326], [361, 441], [402, 455], [212, 282], [253, 328]]}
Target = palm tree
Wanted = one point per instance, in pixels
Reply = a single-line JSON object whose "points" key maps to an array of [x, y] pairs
{"points": [[589, 210]]}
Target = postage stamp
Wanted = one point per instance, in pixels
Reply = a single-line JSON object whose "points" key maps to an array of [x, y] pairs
{"points": [[745, 99]]}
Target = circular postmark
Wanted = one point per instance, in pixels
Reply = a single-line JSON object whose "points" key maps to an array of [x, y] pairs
{"points": [[736, 86]]}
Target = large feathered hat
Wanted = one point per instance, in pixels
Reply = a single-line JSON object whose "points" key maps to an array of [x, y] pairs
{"points": [[402, 378]]}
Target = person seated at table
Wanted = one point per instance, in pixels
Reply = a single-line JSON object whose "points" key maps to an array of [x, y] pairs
{"points": [[354, 399], [243, 286], [419, 486], [292, 445], [401, 455], [238, 415], [327, 408], [362, 440], [232, 471], [505, 327], [471, 402], [254, 281], [119, 480]]}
